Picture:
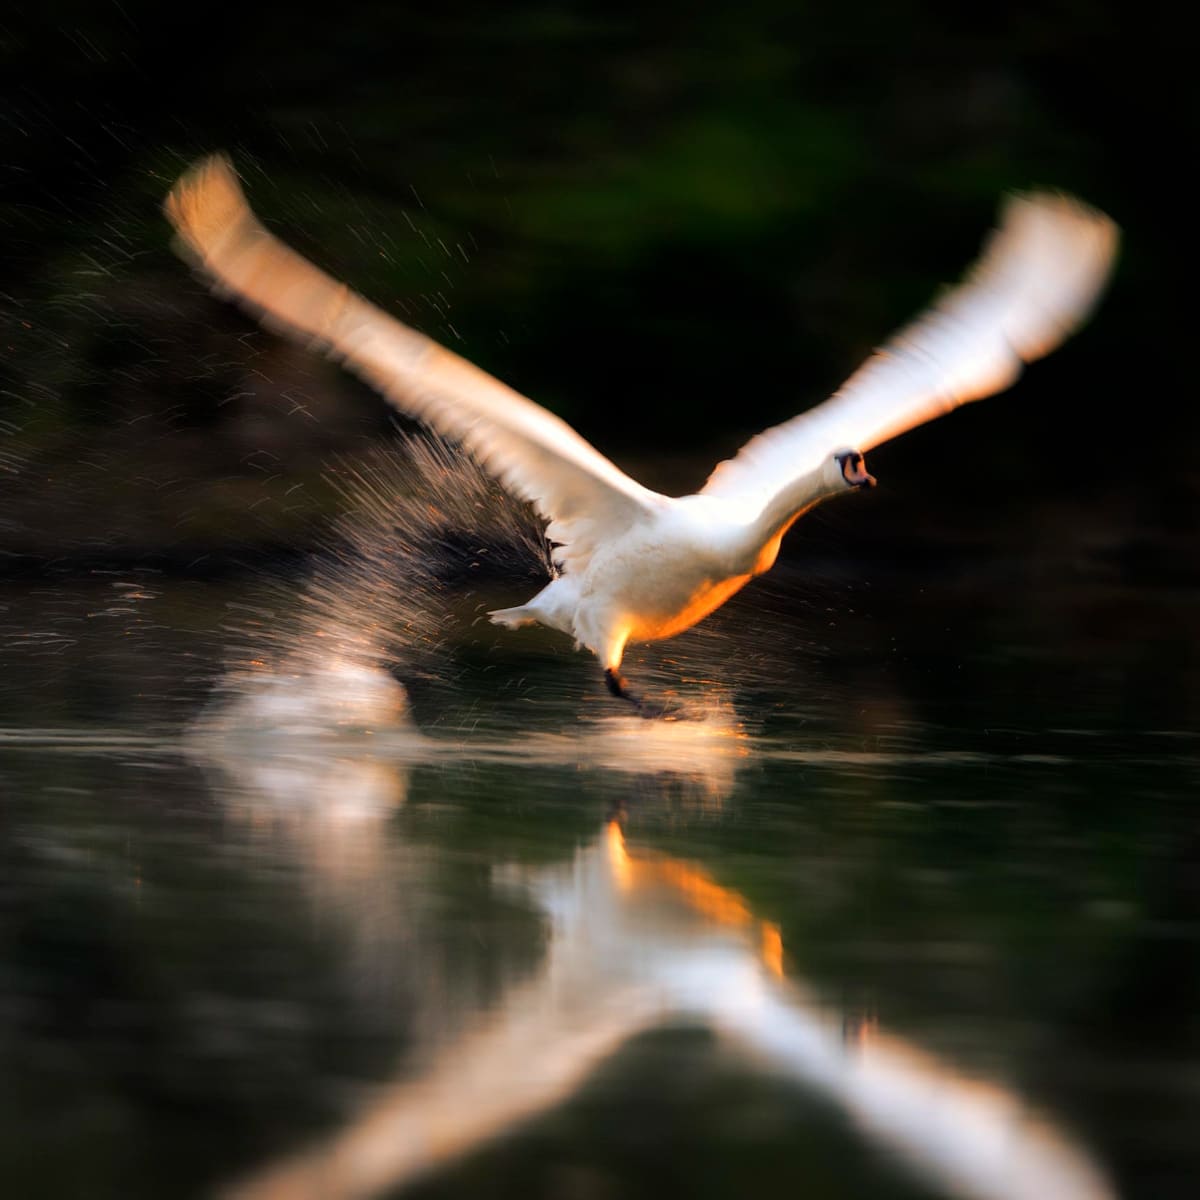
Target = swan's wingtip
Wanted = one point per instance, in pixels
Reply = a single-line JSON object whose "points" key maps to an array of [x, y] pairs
{"points": [[1054, 254], [1062, 210], [207, 200]]}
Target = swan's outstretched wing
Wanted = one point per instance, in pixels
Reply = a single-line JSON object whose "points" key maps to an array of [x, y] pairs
{"points": [[540, 458], [1037, 280]]}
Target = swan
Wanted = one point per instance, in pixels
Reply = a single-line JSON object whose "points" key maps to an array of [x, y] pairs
{"points": [[631, 564]]}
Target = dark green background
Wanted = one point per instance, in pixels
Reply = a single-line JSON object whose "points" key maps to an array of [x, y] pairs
{"points": [[674, 226]]}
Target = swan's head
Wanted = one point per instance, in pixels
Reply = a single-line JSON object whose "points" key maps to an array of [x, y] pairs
{"points": [[852, 469]]}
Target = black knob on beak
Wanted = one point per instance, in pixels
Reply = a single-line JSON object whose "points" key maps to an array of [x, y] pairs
{"points": [[854, 469]]}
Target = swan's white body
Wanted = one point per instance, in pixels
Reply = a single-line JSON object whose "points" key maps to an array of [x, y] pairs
{"points": [[634, 564], [673, 565]]}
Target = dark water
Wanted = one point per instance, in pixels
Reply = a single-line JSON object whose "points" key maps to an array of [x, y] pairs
{"points": [[908, 907]]}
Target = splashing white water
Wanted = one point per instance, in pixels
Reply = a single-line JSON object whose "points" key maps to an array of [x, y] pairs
{"points": [[379, 599]]}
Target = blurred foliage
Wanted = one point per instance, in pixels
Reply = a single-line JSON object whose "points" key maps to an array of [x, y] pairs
{"points": [[673, 227]]}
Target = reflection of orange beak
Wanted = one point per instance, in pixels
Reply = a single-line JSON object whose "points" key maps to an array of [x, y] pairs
{"points": [[704, 895]]}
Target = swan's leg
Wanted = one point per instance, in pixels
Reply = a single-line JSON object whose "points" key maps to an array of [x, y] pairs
{"points": [[614, 651]]}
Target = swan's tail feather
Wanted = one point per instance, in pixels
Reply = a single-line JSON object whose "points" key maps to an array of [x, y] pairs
{"points": [[513, 618]]}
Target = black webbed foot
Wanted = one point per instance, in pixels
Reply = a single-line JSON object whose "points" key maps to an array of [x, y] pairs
{"points": [[645, 708]]}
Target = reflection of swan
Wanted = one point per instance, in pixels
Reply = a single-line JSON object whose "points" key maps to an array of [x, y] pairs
{"points": [[328, 814], [700, 756], [311, 695], [635, 939], [636, 564], [320, 703]]}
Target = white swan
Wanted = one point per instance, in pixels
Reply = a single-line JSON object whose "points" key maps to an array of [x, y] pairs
{"points": [[634, 564]]}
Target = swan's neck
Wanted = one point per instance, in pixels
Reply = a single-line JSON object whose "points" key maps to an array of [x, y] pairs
{"points": [[789, 503]]}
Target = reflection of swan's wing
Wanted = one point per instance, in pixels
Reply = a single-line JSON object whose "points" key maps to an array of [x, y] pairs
{"points": [[1039, 276], [536, 455], [976, 1138], [533, 1055]]}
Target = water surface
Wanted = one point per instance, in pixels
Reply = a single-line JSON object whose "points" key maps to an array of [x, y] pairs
{"points": [[907, 906]]}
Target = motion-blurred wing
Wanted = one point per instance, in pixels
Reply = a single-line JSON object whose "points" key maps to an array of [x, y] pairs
{"points": [[540, 458], [1039, 276]]}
